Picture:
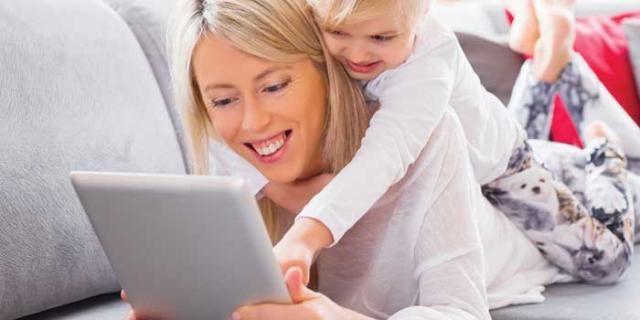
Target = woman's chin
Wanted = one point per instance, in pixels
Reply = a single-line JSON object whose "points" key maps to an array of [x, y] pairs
{"points": [[280, 175]]}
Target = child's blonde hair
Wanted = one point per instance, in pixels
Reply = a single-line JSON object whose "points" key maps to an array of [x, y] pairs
{"points": [[332, 14]]}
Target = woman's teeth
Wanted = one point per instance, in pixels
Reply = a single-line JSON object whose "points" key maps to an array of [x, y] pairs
{"points": [[269, 148]]}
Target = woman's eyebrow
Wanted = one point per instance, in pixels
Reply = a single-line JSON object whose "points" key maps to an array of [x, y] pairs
{"points": [[271, 70], [257, 78], [218, 86]]}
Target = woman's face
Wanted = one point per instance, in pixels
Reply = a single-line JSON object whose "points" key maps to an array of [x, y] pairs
{"points": [[271, 114]]}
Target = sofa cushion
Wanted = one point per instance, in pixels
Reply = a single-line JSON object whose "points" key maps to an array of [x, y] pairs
{"points": [[103, 307], [494, 62], [77, 93], [562, 302], [148, 20], [584, 302]]}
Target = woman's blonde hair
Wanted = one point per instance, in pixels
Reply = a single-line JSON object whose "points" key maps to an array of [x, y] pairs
{"points": [[332, 14], [274, 30]]}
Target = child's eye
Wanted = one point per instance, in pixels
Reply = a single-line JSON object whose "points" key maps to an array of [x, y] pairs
{"points": [[380, 38], [276, 87], [223, 102], [337, 33]]}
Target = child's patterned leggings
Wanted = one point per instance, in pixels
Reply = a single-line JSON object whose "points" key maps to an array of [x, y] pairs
{"points": [[577, 206]]}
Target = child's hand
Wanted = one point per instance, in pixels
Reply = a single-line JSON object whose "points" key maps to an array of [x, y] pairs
{"points": [[300, 245], [294, 253], [294, 196]]}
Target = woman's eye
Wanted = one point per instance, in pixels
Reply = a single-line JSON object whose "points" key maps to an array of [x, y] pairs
{"points": [[277, 87], [379, 38], [221, 103]]}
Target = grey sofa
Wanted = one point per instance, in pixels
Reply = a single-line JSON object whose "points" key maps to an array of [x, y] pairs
{"points": [[84, 86]]}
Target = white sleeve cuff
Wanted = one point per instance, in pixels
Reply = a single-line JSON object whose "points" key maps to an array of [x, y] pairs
{"points": [[336, 224]]}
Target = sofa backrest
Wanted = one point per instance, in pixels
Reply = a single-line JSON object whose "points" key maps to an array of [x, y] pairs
{"points": [[76, 93]]}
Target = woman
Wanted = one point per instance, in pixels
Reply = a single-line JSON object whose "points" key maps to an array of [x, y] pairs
{"points": [[253, 73]]}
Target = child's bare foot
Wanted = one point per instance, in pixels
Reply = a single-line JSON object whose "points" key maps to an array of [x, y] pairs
{"points": [[554, 48], [599, 129], [524, 29]]}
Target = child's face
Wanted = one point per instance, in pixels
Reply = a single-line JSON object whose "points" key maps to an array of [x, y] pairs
{"points": [[370, 47]]}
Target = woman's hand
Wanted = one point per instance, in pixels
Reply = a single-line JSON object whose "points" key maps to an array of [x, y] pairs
{"points": [[131, 315], [307, 304]]}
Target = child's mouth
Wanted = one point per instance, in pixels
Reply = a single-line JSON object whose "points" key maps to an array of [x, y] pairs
{"points": [[362, 68]]}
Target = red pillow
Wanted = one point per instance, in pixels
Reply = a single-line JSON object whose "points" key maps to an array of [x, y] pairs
{"points": [[602, 43]]}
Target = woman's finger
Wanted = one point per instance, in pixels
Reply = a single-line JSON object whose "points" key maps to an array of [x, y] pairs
{"points": [[293, 279], [297, 289], [123, 296]]}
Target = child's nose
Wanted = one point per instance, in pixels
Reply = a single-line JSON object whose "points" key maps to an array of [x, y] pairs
{"points": [[359, 53]]}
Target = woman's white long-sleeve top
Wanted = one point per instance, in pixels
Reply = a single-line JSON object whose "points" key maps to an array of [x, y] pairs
{"points": [[433, 247]]}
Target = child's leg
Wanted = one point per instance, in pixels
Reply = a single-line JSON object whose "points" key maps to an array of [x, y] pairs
{"points": [[634, 165], [592, 245], [600, 129], [610, 200], [524, 29], [587, 100], [533, 95], [532, 103]]}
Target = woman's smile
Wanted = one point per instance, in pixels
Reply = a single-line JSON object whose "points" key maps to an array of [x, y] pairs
{"points": [[272, 149]]}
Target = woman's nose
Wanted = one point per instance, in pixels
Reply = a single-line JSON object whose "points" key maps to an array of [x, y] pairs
{"points": [[255, 116]]}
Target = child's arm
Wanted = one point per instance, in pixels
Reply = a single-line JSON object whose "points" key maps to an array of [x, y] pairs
{"points": [[413, 99], [307, 236], [299, 246]]}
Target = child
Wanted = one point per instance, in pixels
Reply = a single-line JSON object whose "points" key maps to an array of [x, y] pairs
{"points": [[415, 68]]}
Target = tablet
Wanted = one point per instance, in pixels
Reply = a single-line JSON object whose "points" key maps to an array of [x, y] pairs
{"points": [[182, 247]]}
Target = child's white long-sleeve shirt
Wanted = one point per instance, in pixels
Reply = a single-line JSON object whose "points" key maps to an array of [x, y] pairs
{"points": [[413, 98]]}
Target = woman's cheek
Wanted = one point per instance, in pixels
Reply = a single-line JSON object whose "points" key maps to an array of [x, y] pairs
{"points": [[223, 123]]}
